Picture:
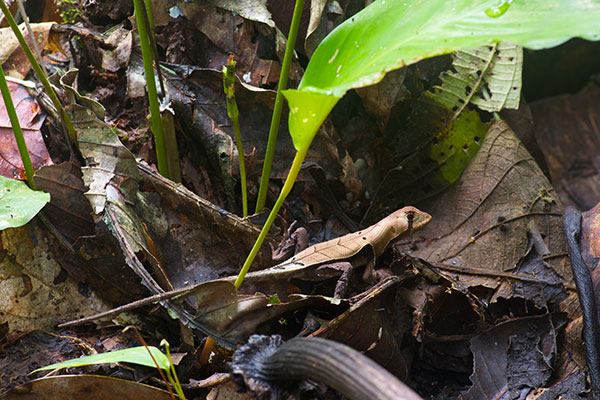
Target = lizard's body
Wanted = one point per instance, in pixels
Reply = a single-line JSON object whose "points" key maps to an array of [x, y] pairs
{"points": [[399, 224]]}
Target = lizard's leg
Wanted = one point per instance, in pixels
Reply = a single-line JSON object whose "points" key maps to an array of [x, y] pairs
{"points": [[345, 268], [369, 275], [293, 241]]}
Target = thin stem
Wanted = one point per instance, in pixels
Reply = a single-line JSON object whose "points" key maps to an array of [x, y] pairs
{"points": [[150, 27], [16, 126], [160, 371], [30, 32], [234, 114], [274, 129], [173, 378], [238, 141], [287, 187], [155, 120], [38, 70]]}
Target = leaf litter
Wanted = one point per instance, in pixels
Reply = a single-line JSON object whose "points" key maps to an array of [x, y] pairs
{"points": [[487, 280]]}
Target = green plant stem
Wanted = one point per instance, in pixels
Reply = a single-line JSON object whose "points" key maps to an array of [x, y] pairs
{"points": [[160, 371], [155, 120], [173, 374], [238, 142], [287, 187], [16, 127], [274, 129], [234, 116], [150, 28], [38, 70]]}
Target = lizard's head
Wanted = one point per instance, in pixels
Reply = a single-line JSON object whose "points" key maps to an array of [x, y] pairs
{"points": [[415, 218], [399, 224]]}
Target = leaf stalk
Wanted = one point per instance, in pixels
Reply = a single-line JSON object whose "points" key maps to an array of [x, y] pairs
{"points": [[274, 128], [285, 190], [16, 127]]}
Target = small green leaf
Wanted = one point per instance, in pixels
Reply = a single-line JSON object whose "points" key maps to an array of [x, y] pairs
{"points": [[135, 355], [18, 203]]}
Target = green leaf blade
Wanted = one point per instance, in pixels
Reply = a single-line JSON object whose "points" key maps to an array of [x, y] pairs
{"points": [[389, 34], [135, 355], [308, 110], [18, 203]]}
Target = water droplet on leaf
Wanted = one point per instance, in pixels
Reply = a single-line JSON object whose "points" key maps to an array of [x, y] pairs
{"points": [[334, 56], [499, 9]]}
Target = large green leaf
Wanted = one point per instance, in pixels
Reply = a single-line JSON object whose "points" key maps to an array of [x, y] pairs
{"points": [[18, 203], [135, 355], [389, 34]]}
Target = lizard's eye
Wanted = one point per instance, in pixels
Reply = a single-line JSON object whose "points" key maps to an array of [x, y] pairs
{"points": [[410, 216]]}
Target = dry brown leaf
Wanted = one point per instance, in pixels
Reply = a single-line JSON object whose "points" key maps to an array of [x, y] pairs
{"points": [[31, 119]]}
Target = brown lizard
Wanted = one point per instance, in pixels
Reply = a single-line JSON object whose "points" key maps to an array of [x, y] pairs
{"points": [[321, 260]]}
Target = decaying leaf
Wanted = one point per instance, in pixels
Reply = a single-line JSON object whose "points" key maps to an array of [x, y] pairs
{"points": [[499, 193], [567, 133], [514, 358], [34, 293], [69, 210], [31, 119], [487, 76], [91, 387], [200, 104], [373, 325], [11, 55]]}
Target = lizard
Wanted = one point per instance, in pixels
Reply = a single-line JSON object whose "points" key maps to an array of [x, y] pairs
{"points": [[322, 260]]}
